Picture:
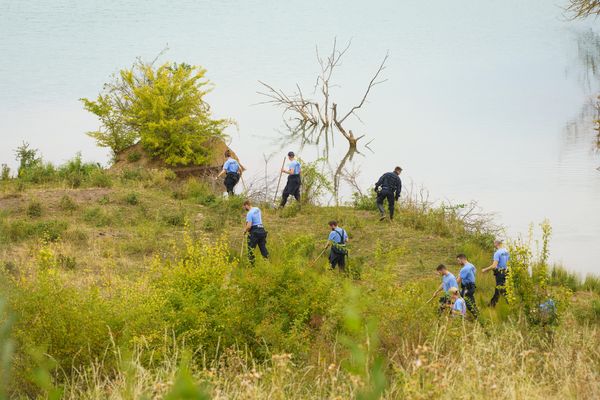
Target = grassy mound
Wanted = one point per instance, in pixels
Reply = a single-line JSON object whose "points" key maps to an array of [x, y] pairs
{"points": [[136, 289]]}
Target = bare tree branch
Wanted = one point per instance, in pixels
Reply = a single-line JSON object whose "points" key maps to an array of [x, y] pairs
{"points": [[372, 84], [583, 8]]}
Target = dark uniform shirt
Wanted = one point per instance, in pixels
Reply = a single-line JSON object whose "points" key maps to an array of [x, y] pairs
{"points": [[390, 183]]}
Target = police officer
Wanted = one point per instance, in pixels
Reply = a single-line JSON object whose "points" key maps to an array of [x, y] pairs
{"points": [[293, 183], [466, 279], [233, 171], [257, 235], [388, 187], [448, 281], [500, 267], [337, 240]]}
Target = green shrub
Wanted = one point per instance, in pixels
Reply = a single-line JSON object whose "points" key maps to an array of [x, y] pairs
{"points": [[140, 104], [314, 182], [34, 209], [39, 173], [134, 156], [132, 199], [67, 204], [74, 172], [71, 324], [134, 174], [364, 202], [174, 217], [99, 178]]}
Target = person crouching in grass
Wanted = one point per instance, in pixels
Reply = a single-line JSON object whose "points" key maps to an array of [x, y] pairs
{"points": [[458, 307]]}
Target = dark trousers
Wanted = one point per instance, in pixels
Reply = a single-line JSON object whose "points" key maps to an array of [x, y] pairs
{"points": [[291, 188], [338, 260], [468, 293], [500, 286], [231, 179], [444, 303], [381, 196], [257, 237]]}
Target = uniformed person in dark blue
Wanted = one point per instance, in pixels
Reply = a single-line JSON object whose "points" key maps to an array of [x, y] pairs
{"points": [[293, 183], [338, 238], [257, 235], [388, 187], [233, 171]]}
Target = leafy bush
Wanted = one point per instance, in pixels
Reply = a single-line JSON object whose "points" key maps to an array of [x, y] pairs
{"points": [[99, 178], [174, 218], [364, 202], [132, 199], [163, 107], [34, 209], [31, 166], [527, 283], [134, 156], [314, 182], [74, 172]]}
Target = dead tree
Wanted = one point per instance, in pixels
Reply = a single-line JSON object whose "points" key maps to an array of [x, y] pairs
{"points": [[318, 116], [583, 8]]}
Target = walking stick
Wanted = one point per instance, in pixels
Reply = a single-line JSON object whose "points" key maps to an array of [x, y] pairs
{"points": [[279, 181], [244, 184], [317, 259]]}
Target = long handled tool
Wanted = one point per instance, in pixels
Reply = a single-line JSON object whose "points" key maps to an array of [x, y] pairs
{"points": [[279, 181], [244, 184], [317, 259], [242, 249]]}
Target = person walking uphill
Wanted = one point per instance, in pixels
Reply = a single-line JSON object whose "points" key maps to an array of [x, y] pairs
{"points": [[233, 171], [337, 240], [388, 187], [257, 235], [466, 279], [294, 182], [500, 267]]}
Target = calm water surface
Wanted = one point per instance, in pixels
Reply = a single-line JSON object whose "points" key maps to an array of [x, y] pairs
{"points": [[482, 103]]}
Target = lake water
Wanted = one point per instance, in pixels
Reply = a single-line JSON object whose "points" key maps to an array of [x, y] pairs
{"points": [[482, 100]]}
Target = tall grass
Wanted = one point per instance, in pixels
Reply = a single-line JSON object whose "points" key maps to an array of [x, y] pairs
{"points": [[499, 362]]}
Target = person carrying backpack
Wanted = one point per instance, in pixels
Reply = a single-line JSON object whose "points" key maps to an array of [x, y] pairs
{"points": [[338, 238]]}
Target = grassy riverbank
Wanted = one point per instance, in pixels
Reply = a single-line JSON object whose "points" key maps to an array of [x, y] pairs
{"points": [[131, 286]]}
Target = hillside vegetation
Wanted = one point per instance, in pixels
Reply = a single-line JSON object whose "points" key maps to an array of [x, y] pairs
{"points": [[130, 285]]}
